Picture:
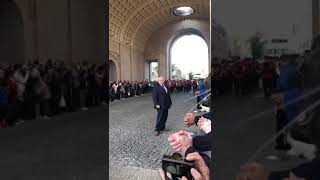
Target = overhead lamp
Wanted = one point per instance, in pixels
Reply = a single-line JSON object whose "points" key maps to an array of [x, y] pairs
{"points": [[183, 11]]}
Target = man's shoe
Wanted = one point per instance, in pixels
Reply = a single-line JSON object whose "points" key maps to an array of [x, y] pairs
{"points": [[157, 133], [165, 129]]}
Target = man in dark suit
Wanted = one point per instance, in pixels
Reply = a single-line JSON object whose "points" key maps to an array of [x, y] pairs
{"points": [[162, 103]]}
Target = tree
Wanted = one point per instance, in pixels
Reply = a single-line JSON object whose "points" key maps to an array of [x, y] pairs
{"points": [[190, 75], [155, 69], [174, 67], [257, 45]]}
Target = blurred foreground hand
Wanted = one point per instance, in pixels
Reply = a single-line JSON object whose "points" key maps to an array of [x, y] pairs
{"points": [[204, 124], [200, 172], [180, 141], [253, 171], [189, 119]]}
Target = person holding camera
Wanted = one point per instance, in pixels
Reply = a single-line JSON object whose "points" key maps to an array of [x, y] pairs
{"points": [[181, 142], [200, 170]]}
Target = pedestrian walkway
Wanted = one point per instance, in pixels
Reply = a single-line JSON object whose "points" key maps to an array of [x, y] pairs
{"points": [[133, 146]]}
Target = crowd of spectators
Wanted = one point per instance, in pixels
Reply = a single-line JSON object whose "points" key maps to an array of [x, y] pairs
{"points": [[243, 76], [125, 89], [236, 75], [48, 89]]}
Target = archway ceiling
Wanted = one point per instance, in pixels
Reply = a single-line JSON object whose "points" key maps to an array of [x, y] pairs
{"points": [[133, 21]]}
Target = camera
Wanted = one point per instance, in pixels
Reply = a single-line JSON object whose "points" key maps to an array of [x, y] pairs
{"points": [[176, 167]]}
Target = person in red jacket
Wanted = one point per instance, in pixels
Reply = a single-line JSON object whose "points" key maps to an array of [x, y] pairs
{"points": [[268, 77]]}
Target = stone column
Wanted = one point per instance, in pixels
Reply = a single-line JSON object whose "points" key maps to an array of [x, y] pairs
{"points": [[35, 32], [69, 32], [315, 18]]}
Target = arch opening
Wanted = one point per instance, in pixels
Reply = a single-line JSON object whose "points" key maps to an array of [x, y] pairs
{"points": [[112, 71], [188, 57]]}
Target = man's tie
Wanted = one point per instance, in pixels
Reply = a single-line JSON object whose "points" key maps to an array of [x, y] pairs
{"points": [[164, 88]]}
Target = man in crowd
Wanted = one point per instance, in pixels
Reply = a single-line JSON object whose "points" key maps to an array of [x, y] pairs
{"points": [[162, 103]]}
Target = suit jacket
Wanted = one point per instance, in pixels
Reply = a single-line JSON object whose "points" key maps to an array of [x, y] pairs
{"points": [[309, 171], [203, 143], [161, 97]]}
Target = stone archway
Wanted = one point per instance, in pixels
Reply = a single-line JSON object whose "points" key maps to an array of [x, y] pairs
{"points": [[115, 58], [180, 34], [12, 33], [112, 70]]}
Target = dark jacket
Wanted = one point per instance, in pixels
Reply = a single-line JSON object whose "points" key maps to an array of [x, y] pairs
{"points": [[309, 171], [203, 143], [161, 97]]}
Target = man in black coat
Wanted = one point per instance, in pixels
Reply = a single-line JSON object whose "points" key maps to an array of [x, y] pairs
{"points": [[162, 103]]}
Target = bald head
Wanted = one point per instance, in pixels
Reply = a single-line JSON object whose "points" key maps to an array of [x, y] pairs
{"points": [[160, 80]]}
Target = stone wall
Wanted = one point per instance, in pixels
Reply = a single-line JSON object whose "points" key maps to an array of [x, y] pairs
{"points": [[68, 30], [158, 45]]}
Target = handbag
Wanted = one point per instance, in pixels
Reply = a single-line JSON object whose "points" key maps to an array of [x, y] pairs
{"points": [[62, 103]]}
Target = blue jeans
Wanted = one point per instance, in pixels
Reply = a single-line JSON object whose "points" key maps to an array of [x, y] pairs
{"points": [[292, 105]]}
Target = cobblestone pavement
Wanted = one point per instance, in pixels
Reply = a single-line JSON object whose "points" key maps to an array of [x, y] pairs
{"points": [[132, 143], [241, 126]]}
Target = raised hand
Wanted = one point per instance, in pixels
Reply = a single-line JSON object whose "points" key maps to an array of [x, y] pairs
{"points": [[180, 141], [253, 171], [189, 119]]}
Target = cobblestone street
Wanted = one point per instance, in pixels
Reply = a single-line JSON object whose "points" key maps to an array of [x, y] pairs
{"points": [[131, 134]]}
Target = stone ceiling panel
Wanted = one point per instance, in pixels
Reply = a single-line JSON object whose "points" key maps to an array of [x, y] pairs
{"points": [[132, 22]]}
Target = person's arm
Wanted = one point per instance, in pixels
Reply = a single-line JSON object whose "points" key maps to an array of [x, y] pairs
{"points": [[155, 97], [26, 77], [208, 115], [308, 170], [203, 143], [276, 175]]}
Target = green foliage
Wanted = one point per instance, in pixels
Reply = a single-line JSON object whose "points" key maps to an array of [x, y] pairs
{"points": [[174, 67], [190, 74], [257, 45]]}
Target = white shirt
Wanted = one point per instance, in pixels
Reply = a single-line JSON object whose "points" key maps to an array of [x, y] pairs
{"points": [[164, 87]]}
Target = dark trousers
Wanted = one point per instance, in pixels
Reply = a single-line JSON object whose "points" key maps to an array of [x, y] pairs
{"points": [[54, 105], [267, 87], [281, 143], [238, 87], [76, 98], [29, 109], [45, 107], [198, 102], [91, 98], [161, 119], [13, 112]]}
